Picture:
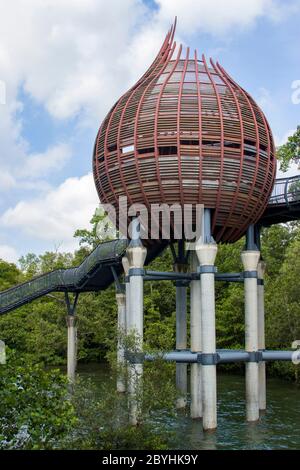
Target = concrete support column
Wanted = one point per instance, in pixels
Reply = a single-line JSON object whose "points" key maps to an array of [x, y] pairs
{"points": [[261, 333], [125, 264], [136, 254], [195, 325], [121, 302], [181, 336], [206, 251], [72, 348], [250, 260], [2, 353]]}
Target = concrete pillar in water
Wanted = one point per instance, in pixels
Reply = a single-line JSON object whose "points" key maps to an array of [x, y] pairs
{"points": [[136, 254], [121, 302], [206, 250], [72, 348], [261, 333], [181, 336], [250, 259], [195, 325]]}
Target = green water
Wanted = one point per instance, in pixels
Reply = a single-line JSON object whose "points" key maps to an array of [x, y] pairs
{"points": [[279, 427]]}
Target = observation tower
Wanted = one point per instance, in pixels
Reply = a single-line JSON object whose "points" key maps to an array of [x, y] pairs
{"points": [[187, 134]]}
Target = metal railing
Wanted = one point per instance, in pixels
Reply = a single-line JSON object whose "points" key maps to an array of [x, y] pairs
{"points": [[62, 279], [286, 191]]}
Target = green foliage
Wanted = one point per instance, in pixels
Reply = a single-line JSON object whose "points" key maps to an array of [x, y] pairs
{"points": [[289, 152], [103, 420], [102, 230], [275, 241], [39, 329], [230, 318], [35, 412], [9, 275], [283, 300]]}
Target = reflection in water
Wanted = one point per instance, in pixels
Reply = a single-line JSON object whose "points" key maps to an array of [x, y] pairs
{"points": [[278, 428]]}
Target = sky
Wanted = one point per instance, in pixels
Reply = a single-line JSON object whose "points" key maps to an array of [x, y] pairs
{"points": [[63, 64]]}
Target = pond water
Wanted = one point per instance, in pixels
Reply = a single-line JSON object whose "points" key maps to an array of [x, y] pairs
{"points": [[279, 427]]}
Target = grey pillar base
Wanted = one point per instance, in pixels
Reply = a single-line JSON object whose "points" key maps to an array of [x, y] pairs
{"points": [[121, 302], [181, 344], [261, 335], [196, 343], [135, 393], [72, 349], [136, 256], [181, 385], [206, 253], [196, 391], [262, 386], [250, 260]]}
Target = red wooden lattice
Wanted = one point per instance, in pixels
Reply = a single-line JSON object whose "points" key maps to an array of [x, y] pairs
{"points": [[187, 133]]}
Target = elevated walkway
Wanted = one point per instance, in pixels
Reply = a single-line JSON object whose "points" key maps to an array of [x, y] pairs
{"points": [[284, 203], [96, 272]]}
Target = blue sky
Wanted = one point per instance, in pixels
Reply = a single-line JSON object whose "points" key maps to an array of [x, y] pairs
{"points": [[64, 67]]}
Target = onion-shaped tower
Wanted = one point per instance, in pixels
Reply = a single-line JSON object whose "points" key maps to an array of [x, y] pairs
{"points": [[187, 133]]}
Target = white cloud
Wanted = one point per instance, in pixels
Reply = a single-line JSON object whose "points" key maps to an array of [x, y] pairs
{"points": [[8, 253], [65, 52], [218, 17], [264, 99], [57, 215], [77, 56], [39, 165], [7, 181]]}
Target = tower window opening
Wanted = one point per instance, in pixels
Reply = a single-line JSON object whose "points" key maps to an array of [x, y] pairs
{"points": [[232, 145], [167, 150], [189, 142], [147, 150], [211, 143], [112, 148], [250, 148]]}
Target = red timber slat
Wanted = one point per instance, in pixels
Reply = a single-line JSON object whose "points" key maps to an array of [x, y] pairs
{"points": [[170, 52], [96, 164], [239, 231], [234, 201], [200, 126], [178, 127], [157, 109], [255, 214], [219, 192], [259, 210], [129, 97]]}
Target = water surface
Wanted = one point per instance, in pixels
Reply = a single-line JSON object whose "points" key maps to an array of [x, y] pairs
{"points": [[279, 427]]}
